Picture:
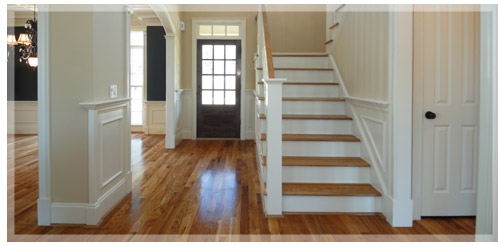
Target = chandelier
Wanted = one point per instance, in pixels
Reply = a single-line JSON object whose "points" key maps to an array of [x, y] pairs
{"points": [[27, 42]]}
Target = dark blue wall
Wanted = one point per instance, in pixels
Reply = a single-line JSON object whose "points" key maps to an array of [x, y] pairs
{"points": [[22, 81], [156, 64]]}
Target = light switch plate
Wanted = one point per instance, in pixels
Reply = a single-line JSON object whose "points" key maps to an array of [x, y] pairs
{"points": [[113, 91]]}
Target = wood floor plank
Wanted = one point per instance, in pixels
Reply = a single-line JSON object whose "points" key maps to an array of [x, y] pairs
{"points": [[202, 190]]}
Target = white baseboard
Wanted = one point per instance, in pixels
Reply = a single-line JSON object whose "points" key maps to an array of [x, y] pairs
{"points": [[44, 211], [91, 214], [250, 133], [187, 134]]}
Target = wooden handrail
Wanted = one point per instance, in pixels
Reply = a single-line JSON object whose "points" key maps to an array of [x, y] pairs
{"points": [[269, 58]]}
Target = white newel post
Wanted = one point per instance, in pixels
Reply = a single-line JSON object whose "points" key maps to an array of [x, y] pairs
{"points": [[273, 89]]}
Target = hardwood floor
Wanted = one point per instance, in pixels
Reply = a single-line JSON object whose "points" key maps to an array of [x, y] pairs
{"points": [[205, 190]]}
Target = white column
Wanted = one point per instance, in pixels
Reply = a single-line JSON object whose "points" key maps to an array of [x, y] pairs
{"points": [[170, 91], [44, 200], [273, 103], [400, 73]]}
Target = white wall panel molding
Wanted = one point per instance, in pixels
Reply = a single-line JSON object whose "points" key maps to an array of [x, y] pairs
{"points": [[368, 103], [371, 124], [109, 169], [155, 117], [185, 114], [22, 117], [250, 116]]}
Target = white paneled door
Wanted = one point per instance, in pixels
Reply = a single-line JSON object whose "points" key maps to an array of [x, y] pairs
{"points": [[446, 51]]}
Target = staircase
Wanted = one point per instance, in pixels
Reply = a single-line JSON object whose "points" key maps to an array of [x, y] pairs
{"points": [[321, 167], [315, 162]]}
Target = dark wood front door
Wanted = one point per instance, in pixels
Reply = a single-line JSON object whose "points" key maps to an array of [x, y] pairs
{"points": [[218, 88]]}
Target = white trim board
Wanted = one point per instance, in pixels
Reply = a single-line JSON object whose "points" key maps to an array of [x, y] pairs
{"points": [[44, 191], [487, 188], [242, 37]]}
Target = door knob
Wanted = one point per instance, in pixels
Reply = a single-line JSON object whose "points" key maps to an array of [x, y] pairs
{"points": [[430, 115]]}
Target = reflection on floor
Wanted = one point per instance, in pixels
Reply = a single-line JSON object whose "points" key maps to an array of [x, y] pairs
{"points": [[205, 190]]}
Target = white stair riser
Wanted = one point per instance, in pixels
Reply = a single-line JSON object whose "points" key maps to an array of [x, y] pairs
{"points": [[313, 126], [310, 90], [345, 204], [313, 107], [317, 148], [307, 174], [301, 62], [305, 75]]}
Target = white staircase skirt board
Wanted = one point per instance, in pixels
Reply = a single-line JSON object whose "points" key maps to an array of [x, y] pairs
{"points": [[346, 204], [317, 148], [313, 107], [310, 174], [260, 104], [305, 75], [307, 62], [313, 126], [310, 90]]}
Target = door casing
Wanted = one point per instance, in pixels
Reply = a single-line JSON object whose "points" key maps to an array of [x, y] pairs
{"points": [[242, 37]]}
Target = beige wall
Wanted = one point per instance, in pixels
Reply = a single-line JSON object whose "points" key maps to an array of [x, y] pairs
{"points": [[84, 61], [361, 52], [297, 31]]}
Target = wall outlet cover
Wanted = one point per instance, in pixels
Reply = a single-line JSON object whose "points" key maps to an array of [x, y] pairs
{"points": [[113, 91]]}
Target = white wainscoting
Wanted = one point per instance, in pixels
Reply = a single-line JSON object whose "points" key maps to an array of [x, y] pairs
{"points": [[371, 125], [108, 163], [186, 124], [155, 117], [249, 117], [22, 117]]}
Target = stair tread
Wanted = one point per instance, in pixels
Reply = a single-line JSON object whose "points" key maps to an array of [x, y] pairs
{"points": [[300, 68], [315, 161], [331, 99], [300, 55], [304, 83], [310, 117], [328, 189], [315, 137]]}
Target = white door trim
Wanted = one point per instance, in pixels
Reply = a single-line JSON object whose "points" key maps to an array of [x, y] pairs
{"points": [[487, 188], [44, 192], [242, 37], [400, 97]]}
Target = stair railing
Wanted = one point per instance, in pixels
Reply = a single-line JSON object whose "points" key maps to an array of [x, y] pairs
{"points": [[272, 96]]}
